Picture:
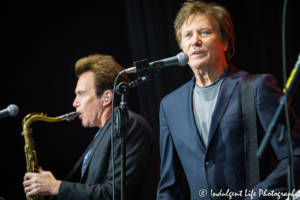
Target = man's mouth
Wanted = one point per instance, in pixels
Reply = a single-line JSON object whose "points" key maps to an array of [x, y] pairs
{"points": [[197, 53]]}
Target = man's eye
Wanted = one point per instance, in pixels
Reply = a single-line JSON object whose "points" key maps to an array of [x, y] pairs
{"points": [[79, 94], [204, 33], [188, 35]]}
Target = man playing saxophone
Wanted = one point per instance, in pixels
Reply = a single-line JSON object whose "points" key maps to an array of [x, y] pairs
{"points": [[93, 101]]}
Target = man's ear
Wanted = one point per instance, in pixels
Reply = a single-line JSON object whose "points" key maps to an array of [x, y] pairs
{"points": [[107, 97], [225, 45]]}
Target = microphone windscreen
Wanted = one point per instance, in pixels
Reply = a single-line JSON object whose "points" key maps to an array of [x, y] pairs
{"points": [[13, 110], [183, 59]]}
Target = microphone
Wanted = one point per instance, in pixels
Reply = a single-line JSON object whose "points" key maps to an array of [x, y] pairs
{"points": [[180, 59], [11, 110]]}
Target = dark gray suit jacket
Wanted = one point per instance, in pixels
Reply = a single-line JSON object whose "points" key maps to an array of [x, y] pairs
{"points": [[221, 165], [142, 166]]}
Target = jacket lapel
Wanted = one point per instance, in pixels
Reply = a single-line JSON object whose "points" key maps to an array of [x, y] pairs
{"points": [[103, 131], [187, 101], [226, 90]]}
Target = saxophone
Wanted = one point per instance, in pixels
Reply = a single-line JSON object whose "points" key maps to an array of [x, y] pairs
{"points": [[30, 153]]}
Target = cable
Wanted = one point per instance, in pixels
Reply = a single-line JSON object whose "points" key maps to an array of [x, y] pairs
{"points": [[291, 184], [112, 136]]}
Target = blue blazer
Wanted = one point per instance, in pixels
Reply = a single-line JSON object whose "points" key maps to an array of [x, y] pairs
{"points": [[221, 165], [142, 166]]}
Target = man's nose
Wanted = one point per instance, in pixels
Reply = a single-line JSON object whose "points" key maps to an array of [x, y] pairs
{"points": [[75, 103], [197, 40]]}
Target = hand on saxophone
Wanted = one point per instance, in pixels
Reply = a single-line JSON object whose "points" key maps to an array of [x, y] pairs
{"points": [[42, 183]]}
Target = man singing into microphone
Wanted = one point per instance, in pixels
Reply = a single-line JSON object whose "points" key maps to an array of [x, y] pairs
{"points": [[202, 125], [93, 101]]}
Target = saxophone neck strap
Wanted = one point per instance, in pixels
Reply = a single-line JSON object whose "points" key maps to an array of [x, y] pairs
{"points": [[79, 162], [75, 167]]}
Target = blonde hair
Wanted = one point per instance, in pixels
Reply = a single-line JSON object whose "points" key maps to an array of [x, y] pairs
{"points": [[217, 15], [106, 70]]}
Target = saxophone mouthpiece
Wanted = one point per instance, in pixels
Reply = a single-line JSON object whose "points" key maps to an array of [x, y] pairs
{"points": [[70, 116]]}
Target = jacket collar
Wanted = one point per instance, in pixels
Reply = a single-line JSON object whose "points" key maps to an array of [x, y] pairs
{"points": [[228, 85], [103, 131], [225, 94]]}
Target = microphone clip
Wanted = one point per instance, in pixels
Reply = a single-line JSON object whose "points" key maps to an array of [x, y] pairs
{"points": [[121, 122]]}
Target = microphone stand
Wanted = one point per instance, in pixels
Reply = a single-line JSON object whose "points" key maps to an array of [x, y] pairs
{"points": [[289, 91], [148, 77], [121, 122], [120, 114], [121, 129]]}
